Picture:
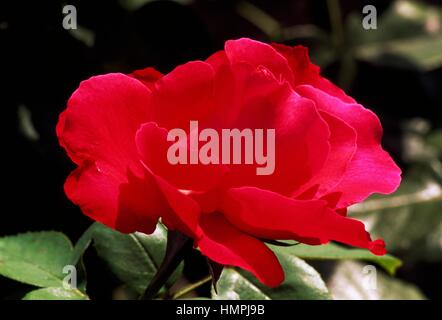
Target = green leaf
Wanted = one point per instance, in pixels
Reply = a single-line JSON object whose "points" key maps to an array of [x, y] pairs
{"points": [[35, 258], [333, 251], [134, 258], [77, 256], [233, 285], [55, 293], [354, 281], [301, 282], [83, 244], [39, 259]]}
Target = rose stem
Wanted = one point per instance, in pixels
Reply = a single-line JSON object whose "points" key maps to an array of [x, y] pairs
{"points": [[178, 245]]}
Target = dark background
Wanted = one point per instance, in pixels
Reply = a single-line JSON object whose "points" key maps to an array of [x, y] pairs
{"points": [[41, 64]]}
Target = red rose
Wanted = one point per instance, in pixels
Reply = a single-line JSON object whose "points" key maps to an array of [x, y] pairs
{"points": [[328, 154]]}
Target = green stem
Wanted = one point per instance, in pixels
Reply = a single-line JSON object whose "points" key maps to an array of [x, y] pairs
{"points": [[347, 68], [178, 245], [334, 12], [191, 287], [261, 19]]}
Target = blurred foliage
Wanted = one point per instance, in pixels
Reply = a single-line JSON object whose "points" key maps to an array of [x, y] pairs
{"points": [[410, 220], [350, 282], [408, 34]]}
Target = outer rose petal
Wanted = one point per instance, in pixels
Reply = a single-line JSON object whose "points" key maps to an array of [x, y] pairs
{"points": [[371, 168], [127, 204], [148, 76], [218, 59], [183, 95], [101, 119], [97, 130], [258, 54], [305, 72], [224, 244], [269, 215]]}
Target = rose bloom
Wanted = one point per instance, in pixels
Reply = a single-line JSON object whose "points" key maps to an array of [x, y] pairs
{"points": [[328, 155]]}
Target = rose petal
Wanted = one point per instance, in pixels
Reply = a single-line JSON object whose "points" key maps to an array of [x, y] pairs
{"points": [[184, 213], [101, 119], [218, 59], [97, 130], [371, 169], [301, 142], [224, 244], [153, 147], [184, 94], [258, 54], [267, 214], [127, 204], [342, 148], [148, 76], [305, 72]]}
